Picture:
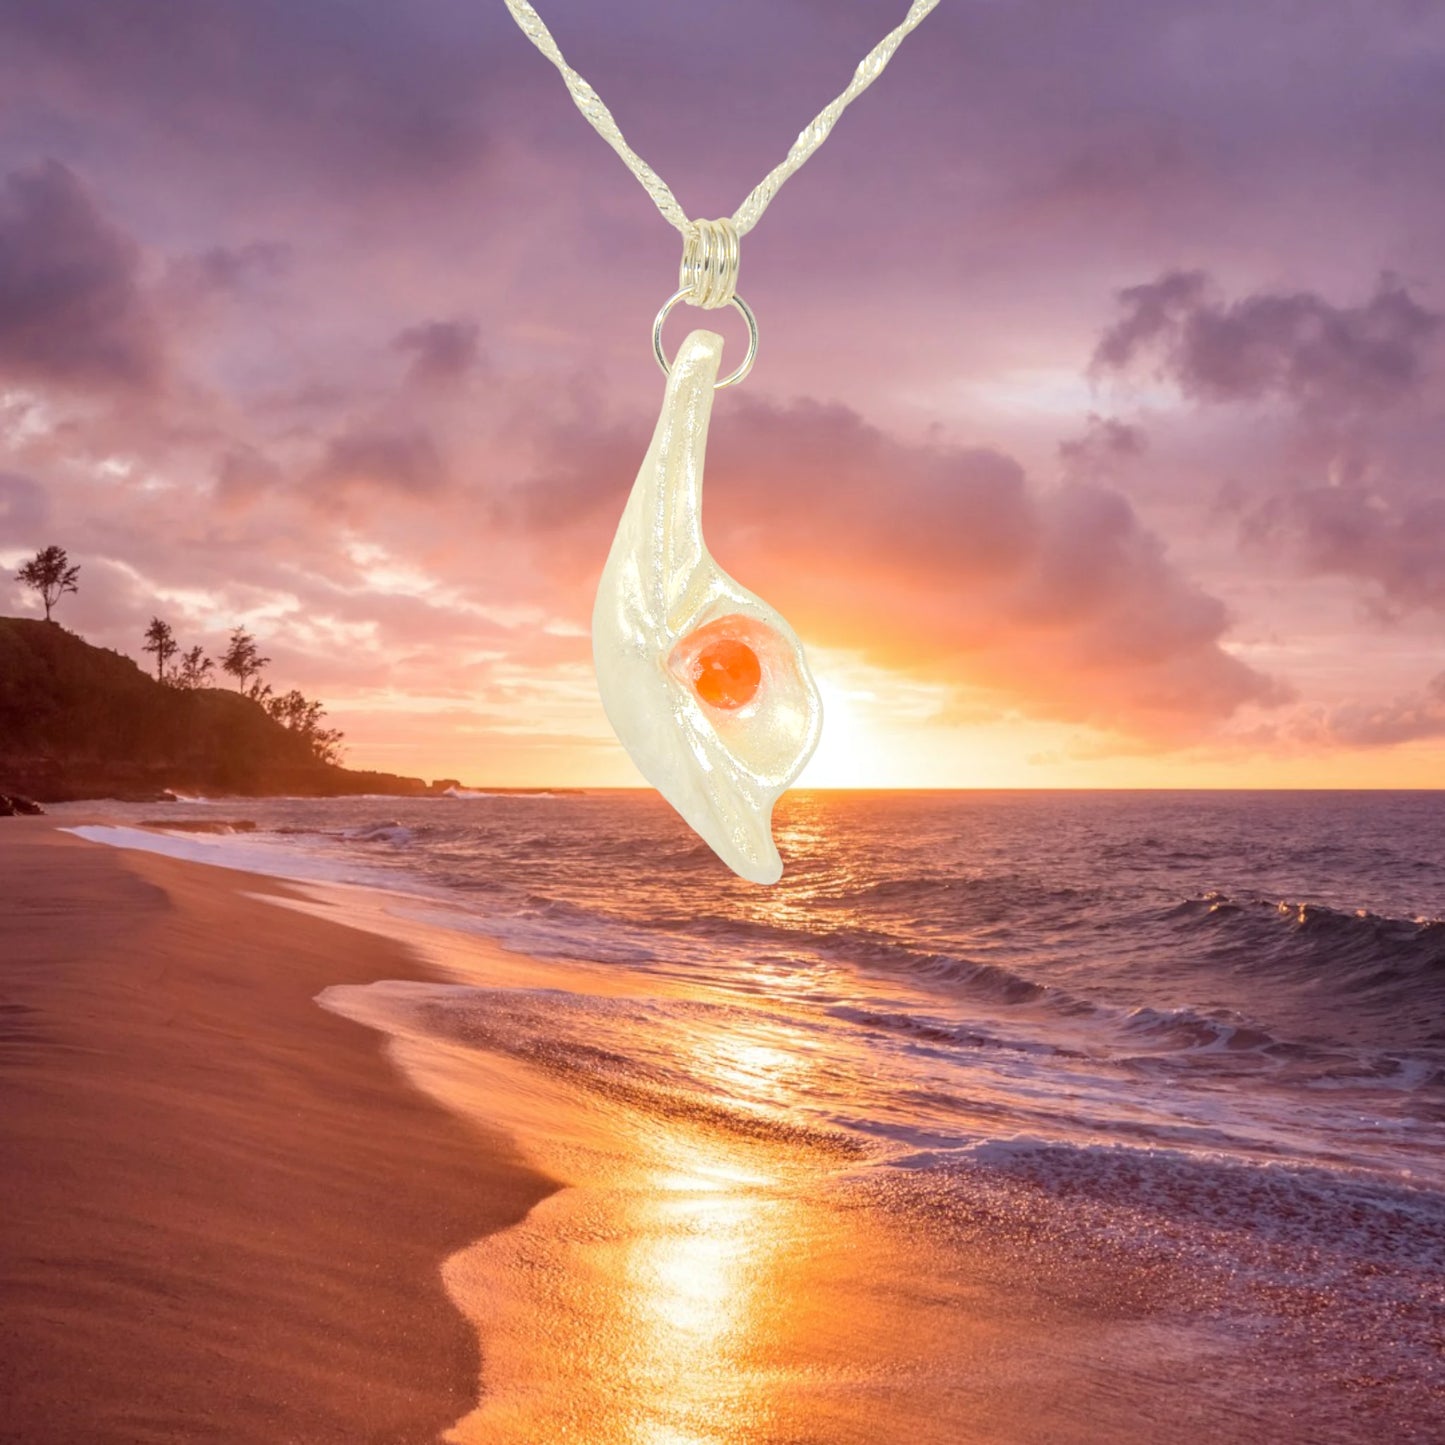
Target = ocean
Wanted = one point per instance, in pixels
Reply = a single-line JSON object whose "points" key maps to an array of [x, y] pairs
{"points": [[1202, 1029]]}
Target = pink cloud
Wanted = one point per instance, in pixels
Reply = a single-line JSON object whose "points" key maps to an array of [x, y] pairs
{"points": [[1405, 719], [941, 560]]}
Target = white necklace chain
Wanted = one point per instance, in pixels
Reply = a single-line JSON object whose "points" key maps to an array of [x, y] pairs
{"points": [[710, 257]]}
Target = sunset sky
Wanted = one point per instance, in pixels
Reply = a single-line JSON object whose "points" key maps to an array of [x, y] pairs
{"points": [[1097, 435]]}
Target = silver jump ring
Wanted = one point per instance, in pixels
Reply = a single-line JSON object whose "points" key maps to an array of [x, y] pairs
{"points": [[739, 305]]}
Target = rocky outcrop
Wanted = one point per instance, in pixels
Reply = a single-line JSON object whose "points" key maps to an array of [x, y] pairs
{"points": [[12, 805]]}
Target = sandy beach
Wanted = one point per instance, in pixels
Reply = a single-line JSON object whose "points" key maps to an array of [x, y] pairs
{"points": [[307, 1163], [231, 1217], [224, 1211]]}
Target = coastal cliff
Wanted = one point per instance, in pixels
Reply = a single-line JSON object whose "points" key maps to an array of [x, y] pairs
{"points": [[78, 721]]}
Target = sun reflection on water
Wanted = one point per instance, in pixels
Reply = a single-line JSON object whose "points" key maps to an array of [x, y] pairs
{"points": [[751, 1073], [643, 1304], [712, 1225], [705, 1237]]}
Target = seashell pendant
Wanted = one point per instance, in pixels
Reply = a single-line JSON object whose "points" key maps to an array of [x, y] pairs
{"points": [[705, 685]]}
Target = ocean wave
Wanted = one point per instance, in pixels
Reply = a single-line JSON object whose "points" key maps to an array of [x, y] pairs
{"points": [[986, 984], [199, 825], [1340, 1266], [933, 1031], [1187, 1030], [1355, 927], [393, 832], [963, 899], [265, 853], [1374, 958], [1214, 1043]]}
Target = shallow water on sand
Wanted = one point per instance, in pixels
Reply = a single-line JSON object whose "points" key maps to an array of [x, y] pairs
{"points": [[1045, 1117]]}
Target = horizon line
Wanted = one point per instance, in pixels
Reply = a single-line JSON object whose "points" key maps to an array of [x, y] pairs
{"points": [[939, 788]]}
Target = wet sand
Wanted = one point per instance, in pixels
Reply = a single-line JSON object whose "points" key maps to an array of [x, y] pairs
{"points": [[223, 1211], [710, 1277]]}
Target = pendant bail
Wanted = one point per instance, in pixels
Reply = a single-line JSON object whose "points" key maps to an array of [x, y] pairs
{"points": [[711, 255]]}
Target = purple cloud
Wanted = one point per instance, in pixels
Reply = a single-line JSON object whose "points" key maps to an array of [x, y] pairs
{"points": [[442, 352], [406, 463], [1395, 545], [359, 92], [1295, 345], [72, 309], [1104, 445]]}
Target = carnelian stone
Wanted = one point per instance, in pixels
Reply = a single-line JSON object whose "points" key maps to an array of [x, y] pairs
{"points": [[726, 673]]}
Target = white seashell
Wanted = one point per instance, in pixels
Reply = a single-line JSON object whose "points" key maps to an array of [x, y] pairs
{"points": [[720, 736]]}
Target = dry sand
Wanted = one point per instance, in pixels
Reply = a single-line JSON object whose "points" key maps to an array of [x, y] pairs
{"points": [[222, 1209]]}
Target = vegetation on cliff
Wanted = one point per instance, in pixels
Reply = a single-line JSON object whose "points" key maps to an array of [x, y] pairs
{"points": [[78, 721]]}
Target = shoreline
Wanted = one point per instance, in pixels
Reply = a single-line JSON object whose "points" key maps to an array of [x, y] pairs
{"points": [[681, 1266], [225, 1210], [248, 1217]]}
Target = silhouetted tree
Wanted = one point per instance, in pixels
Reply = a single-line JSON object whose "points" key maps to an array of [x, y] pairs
{"points": [[50, 574], [192, 672], [243, 659], [326, 744], [161, 641], [295, 711], [302, 715]]}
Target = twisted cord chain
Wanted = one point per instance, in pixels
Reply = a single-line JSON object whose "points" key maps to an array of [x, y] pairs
{"points": [[811, 137]]}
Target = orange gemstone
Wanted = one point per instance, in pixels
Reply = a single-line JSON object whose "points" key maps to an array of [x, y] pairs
{"points": [[726, 673]]}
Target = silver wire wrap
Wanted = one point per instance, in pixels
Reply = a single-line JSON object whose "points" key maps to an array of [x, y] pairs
{"points": [[711, 255], [809, 139]]}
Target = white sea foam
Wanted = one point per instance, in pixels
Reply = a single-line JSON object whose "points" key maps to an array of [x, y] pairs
{"points": [[469, 793], [264, 854]]}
